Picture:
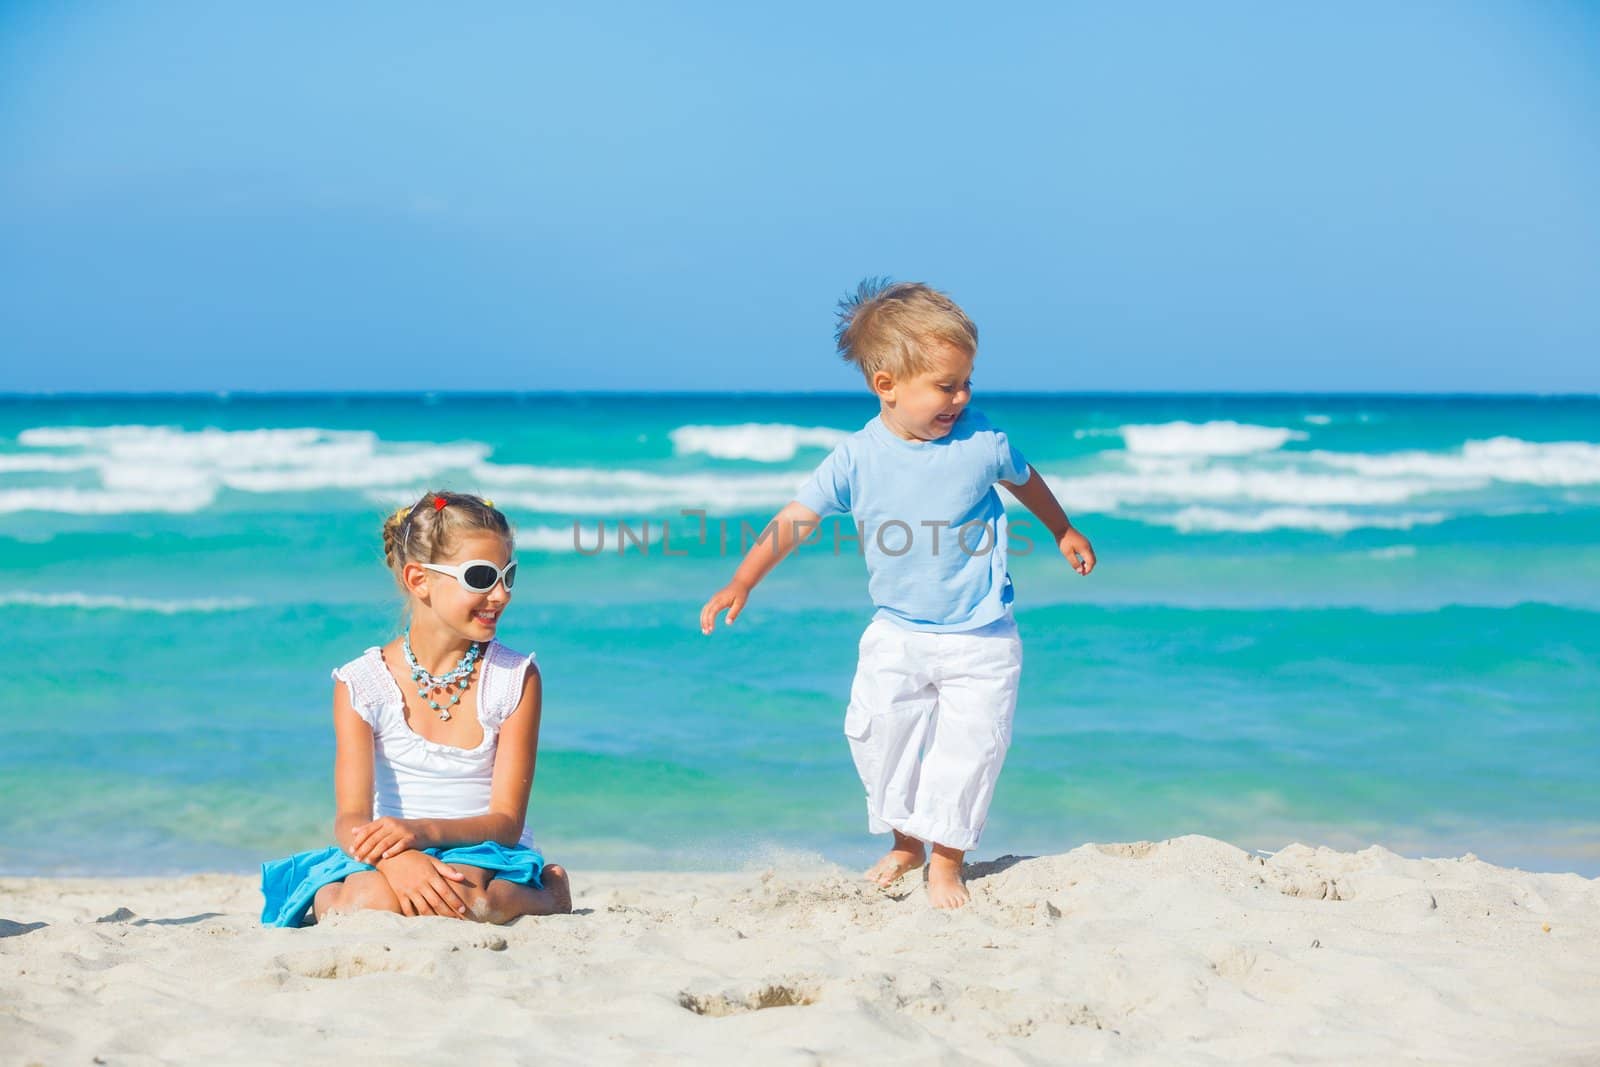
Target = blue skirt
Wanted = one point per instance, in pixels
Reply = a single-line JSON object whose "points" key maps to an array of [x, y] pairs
{"points": [[289, 885]]}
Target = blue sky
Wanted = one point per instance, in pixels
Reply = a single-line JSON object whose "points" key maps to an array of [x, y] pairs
{"points": [[1351, 197]]}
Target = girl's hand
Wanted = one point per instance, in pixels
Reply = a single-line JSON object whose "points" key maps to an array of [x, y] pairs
{"points": [[1076, 548], [424, 885], [732, 597], [383, 838]]}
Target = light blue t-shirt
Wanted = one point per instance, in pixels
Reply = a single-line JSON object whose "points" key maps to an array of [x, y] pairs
{"points": [[932, 527]]}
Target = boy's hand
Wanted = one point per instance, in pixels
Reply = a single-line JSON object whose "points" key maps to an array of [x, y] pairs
{"points": [[732, 597], [1076, 548]]}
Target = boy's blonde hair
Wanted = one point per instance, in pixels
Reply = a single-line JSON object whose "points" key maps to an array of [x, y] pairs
{"points": [[887, 326]]}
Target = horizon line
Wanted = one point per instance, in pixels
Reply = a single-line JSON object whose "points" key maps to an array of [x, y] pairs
{"points": [[399, 394]]}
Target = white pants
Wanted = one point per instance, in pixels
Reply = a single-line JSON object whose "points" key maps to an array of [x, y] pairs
{"points": [[929, 724]]}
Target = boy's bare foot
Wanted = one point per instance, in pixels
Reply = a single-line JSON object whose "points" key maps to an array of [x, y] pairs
{"points": [[946, 890], [906, 856]]}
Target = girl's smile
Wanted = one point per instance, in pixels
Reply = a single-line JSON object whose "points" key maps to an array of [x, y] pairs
{"points": [[462, 613]]}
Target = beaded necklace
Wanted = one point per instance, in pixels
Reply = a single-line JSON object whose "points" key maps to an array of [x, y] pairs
{"points": [[456, 678]]}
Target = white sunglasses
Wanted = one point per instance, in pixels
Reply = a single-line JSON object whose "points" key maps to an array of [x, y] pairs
{"points": [[477, 575]]}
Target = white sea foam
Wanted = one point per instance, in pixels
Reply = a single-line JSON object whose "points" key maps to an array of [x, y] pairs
{"points": [[91, 602], [711, 496], [766, 442], [1150, 481], [71, 501], [1323, 490], [406, 467], [1393, 552], [545, 539], [529, 538], [164, 468], [25, 462], [518, 475], [1501, 459], [1333, 521], [80, 436], [597, 534], [1206, 438], [1193, 476], [593, 491], [231, 449], [1319, 420], [1330, 479]]}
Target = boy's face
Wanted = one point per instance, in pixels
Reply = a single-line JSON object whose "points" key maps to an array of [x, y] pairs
{"points": [[925, 407]]}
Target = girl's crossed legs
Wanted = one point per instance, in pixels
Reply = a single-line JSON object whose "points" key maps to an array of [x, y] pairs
{"points": [[487, 898]]}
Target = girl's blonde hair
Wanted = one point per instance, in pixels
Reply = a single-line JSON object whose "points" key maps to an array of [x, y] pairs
{"points": [[887, 326], [431, 528]]}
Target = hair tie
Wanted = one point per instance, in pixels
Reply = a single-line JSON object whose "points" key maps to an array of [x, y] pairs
{"points": [[488, 503], [439, 502]]}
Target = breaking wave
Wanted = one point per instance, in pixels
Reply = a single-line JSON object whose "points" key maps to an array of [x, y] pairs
{"points": [[1332, 521], [1206, 438], [92, 602], [765, 442], [1193, 477]]}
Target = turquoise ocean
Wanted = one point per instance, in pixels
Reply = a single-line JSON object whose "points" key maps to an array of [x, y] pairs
{"points": [[1341, 620]]}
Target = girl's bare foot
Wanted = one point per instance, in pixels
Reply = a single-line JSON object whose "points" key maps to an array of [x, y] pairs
{"points": [[906, 856], [505, 901], [559, 888], [946, 890]]}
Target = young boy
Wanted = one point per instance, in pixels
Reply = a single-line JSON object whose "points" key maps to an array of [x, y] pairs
{"points": [[930, 709]]}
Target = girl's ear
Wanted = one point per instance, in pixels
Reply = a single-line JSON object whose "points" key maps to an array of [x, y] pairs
{"points": [[415, 579], [883, 385]]}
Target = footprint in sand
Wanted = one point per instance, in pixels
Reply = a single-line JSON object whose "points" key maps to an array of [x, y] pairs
{"points": [[784, 994], [353, 962]]}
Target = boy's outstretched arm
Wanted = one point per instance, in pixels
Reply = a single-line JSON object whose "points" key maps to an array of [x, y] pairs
{"points": [[788, 526], [1036, 496]]}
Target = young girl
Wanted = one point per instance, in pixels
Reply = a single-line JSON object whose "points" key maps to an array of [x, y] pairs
{"points": [[436, 737]]}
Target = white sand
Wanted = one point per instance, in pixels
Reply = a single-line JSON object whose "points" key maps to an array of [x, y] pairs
{"points": [[1188, 951]]}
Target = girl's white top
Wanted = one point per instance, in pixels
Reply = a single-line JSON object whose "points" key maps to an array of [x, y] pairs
{"points": [[415, 778]]}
